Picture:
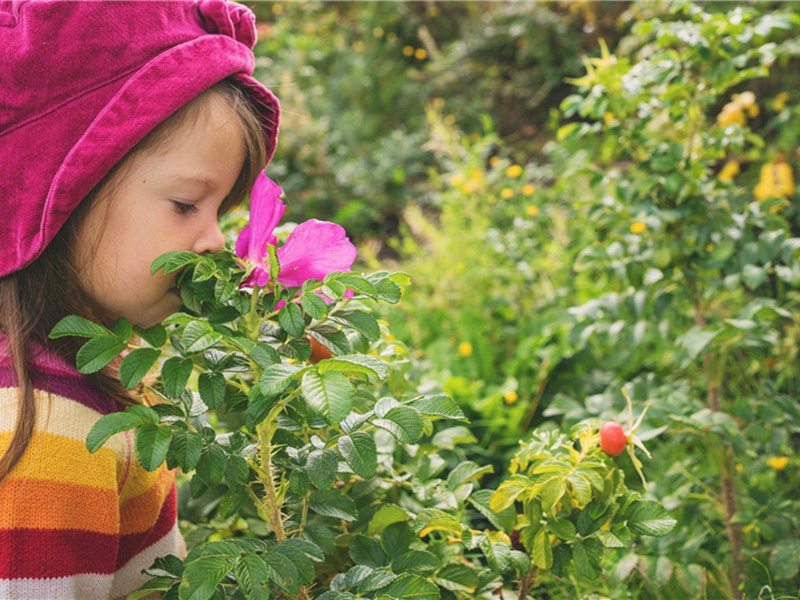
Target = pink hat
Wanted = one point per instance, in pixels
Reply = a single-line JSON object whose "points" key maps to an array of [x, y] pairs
{"points": [[81, 83]]}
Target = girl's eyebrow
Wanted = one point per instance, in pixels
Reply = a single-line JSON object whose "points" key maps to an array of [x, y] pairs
{"points": [[196, 179]]}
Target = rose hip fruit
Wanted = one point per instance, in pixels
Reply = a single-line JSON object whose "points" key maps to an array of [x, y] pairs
{"points": [[612, 438], [318, 351]]}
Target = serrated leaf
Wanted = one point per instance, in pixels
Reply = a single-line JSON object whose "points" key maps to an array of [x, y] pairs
{"points": [[438, 405], [360, 453], [356, 364], [322, 467], [412, 587], [366, 551], [237, 472], [109, 425], [185, 449], [276, 378], [387, 514], [363, 322], [419, 562], [358, 284], [98, 352], [587, 555], [212, 388], [542, 555], [330, 394], [199, 336], [563, 529], [174, 374], [403, 422], [152, 444], [314, 306], [432, 519], [136, 365], [159, 584], [301, 562], [252, 577], [504, 520], [201, 577], [648, 517], [334, 504], [291, 319], [123, 329], [211, 466], [75, 326], [466, 471], [173, 261]]}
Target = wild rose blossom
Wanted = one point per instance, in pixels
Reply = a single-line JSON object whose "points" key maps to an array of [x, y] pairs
{"points": [[313, 250]]}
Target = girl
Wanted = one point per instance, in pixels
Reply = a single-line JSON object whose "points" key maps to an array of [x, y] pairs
{"points": [[125, 129]]}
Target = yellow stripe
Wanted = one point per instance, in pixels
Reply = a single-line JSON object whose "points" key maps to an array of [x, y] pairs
{"points": [[58, 458]]}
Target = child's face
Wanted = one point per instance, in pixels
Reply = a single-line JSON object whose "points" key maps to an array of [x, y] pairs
{"points": [[166, 200]]}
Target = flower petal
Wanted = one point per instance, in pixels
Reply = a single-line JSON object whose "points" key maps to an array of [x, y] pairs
{"points": [[314, 249], [266, 210]]}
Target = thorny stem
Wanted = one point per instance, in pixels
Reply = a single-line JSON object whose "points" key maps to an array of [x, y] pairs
{"points": [[526, 582], [713, 379]]}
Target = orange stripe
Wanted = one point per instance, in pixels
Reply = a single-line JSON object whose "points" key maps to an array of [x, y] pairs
{"points": [[39, 504], [140, 513], [58, 458]]}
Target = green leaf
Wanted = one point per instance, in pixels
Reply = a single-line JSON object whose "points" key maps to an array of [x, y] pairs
{"points": [[211, 466], [98, 352], [212, 388], [156, 335], [174, 374], [75, 326], [366, 551], [282, 571], [587, 555], [258, 407], [185, 450], [358, 284], [199, 336], [439, 405], [403, 422], [330, 394], [322, 468], [201, 577], [753, 276], [377, 580], [504, 520], [135, 366], [109, 425], [173, 261], [276, 378], [498, 556], [431, 519], [314, 305], [123, 329], [387, 514], [419, 562], [458, 577], [507, 492], [363, 322], [237, 472], [563, 529], [784, 560], [252, 577], [397, 538], [542, 551], [648, 517], [334, 504], [152, 444], [159, 584], [695, 340], [291, 319], [412, 587], [355, 364], [360, 453], [466, 471]]}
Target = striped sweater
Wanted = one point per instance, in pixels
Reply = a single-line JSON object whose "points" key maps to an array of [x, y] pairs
{"points": [[75, 524]]}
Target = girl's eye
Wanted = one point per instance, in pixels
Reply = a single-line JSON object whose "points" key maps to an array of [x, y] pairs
{"points": [[184, 208]]}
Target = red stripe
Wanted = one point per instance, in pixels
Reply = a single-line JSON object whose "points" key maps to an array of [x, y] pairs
{"points": [[40, 553], [132, 544]]}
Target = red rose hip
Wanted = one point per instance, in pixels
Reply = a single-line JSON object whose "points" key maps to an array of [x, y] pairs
{"points": [[612, 438], [318, 351]]}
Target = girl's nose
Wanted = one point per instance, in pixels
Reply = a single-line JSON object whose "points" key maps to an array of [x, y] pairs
{"points": [[212, 239]]}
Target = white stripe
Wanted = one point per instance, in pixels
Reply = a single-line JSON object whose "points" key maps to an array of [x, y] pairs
{"points": [[130, 578], [78, 587]]}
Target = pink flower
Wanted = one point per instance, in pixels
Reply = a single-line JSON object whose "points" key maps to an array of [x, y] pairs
{"points": [[313, 250]]}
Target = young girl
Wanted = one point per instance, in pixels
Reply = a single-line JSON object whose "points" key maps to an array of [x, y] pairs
{"points": [[125, 129]]}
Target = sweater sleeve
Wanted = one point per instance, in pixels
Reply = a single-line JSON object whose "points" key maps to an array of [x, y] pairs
{"points": [[59, 506]]}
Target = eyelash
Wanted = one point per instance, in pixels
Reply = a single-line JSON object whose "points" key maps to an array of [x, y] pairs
{"points": [[184, 208]]}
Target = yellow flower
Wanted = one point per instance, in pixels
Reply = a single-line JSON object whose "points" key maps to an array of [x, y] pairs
{"points": [[746, 100], [408, 50], [528, 189], [465, 349], [779, 103], [358, 46], [739, 467], [638, 228], [378, 32], [511, 397], [732, 114], [471, 187], [277, 9], [608, 118], [494, 160], [778, 463], [450, 120], [514, 171], [776, 181], [420, 54], [391, 36], [506, 193], [532, 210], [437, 102], [709, 247], [729, 171]]}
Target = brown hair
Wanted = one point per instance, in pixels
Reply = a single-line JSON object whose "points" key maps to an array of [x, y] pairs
{"points": [[35, 298]]}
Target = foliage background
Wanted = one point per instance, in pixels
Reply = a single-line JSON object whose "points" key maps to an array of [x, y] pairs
{"points": [[554, 261]]}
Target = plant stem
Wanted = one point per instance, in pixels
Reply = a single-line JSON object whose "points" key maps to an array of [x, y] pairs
{"points": [[526, 582], [727, 484]]}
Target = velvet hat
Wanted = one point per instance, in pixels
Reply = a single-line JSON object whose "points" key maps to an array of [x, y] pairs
{"points": [[82, 82]]}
